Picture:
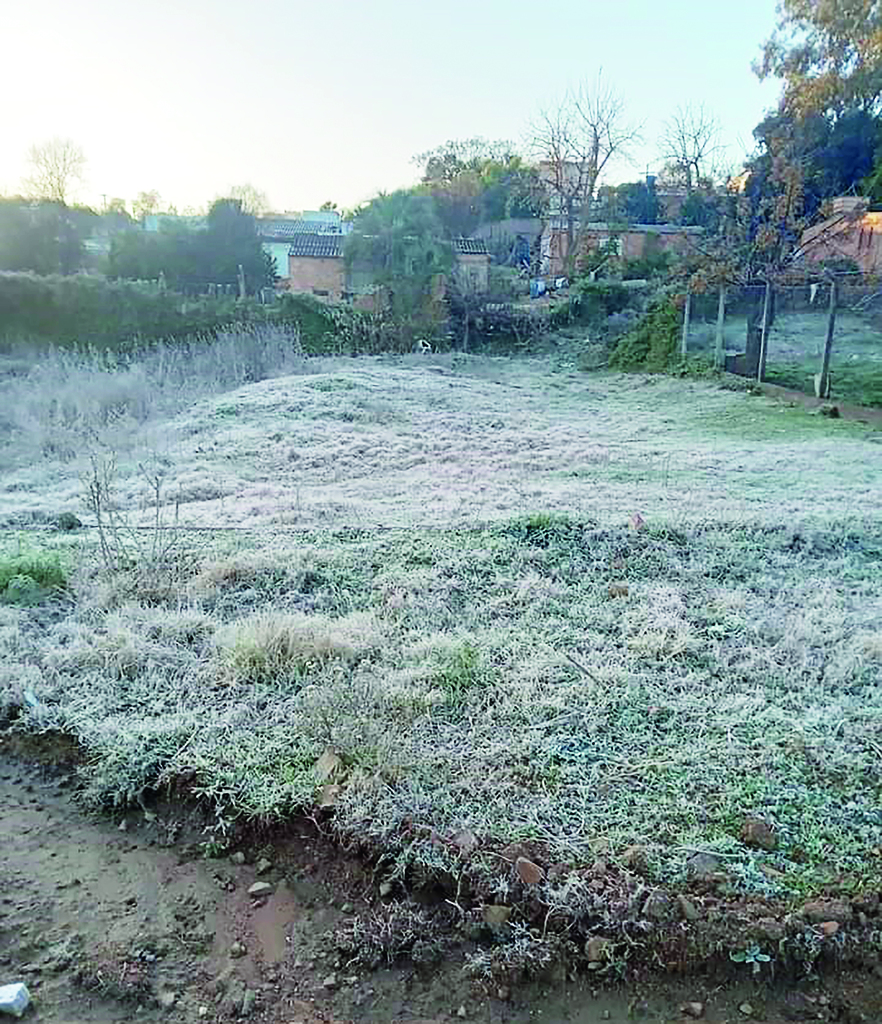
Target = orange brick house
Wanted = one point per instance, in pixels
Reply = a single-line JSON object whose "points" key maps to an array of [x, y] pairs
{"points": [[631, 242], [316, 266], [850, 232]]}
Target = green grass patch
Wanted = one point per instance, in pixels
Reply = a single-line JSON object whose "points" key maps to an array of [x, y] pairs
{"points": [[496, 679], [857, 381], [28, 577]]}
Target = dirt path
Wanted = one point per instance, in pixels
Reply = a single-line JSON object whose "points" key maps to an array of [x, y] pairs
{"points": [[125, 918]]}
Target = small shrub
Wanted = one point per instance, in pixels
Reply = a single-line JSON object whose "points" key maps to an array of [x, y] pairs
{"points": [[393, 932], [29, 577], [596, 300], [653, 343]]}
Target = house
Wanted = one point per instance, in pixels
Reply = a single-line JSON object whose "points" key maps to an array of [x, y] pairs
{"points": [[631, 242], [852, 231], [315, 265], [278, 232], [472, 263]]}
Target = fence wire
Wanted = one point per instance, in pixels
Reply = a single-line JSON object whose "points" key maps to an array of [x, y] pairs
{"points": [[779, 334]]}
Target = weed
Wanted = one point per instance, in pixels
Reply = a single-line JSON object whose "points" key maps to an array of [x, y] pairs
{"points": [[29, 576], [752, 955]]}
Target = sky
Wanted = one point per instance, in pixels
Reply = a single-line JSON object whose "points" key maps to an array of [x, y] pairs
{"points": [[330, 100]]}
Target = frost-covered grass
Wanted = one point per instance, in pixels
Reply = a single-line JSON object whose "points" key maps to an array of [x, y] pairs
{"points": [[510, 653]]}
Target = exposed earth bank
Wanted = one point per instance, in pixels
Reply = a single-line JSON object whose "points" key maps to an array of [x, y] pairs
{"points": [[129, 917]]}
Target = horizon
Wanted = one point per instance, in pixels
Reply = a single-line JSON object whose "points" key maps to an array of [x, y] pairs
{"points": [[197, 100]]}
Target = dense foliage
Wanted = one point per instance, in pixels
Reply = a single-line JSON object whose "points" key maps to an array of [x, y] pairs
{"points": [[191, 256], [652, 345], [45, 237]]}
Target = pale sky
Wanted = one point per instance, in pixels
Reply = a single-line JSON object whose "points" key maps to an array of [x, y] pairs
{"points": [[330, 100]]}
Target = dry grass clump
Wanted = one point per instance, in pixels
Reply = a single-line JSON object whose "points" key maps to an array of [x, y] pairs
{"points": [[276, 649], [393, 932], [70, 398]]}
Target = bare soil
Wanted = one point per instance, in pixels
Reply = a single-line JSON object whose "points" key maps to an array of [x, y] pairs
{"points": [[125, 917]]}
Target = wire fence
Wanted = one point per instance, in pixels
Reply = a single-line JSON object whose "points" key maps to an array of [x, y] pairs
{"points": [[822, 337]]}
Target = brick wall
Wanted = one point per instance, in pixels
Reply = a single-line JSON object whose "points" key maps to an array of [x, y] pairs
{"points": [[315, 274]]}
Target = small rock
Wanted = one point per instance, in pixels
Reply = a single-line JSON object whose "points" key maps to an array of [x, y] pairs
{"points": [[385, 888], [759, 834], [330, 981], [462, 1012], [688, 910], [259, 889], [249, 1000], [829, 928], [703, 866], [746, 1009], [658, 906], [529, 872], [263, 865], [503, 992], [203, 1011], [694, 1009], [238, 857], [124, 826], [238, 949]]}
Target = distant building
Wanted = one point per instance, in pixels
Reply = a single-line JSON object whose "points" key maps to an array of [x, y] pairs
{"points": [[277, 233], [852, 232], [631, 242], [315, 266]]}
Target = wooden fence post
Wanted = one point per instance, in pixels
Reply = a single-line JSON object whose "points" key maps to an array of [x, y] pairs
{"points": [[684, 343], [822, 380], [719, 351], [764, 337]]}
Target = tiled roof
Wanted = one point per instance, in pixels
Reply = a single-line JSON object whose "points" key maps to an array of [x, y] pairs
{"points": [[471, 246], [284, 229], [319, 246]]}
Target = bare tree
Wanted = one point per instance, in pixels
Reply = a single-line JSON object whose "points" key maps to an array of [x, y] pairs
{"points": [[574, 142], [56, 170], [252, 199], [146, 203], [690, 144]]}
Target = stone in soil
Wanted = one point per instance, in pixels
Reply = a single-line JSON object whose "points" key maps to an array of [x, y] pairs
{"points": [[263, 865], [238, 857], [759, 834], [703, 867], [259, 889], [330, 981], [694, 1009]]}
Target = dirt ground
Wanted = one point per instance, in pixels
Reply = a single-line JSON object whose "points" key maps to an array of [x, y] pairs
{"points": [[124, 917]]}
